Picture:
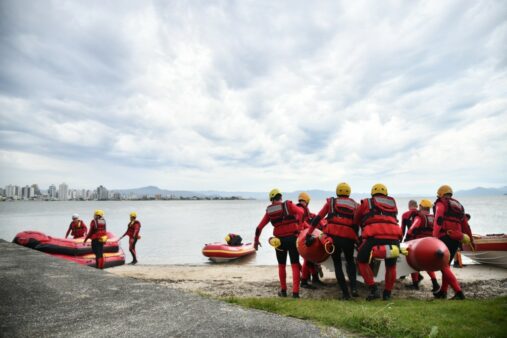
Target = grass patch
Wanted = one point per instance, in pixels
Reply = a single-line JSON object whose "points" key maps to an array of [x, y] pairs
{"points": [[398, 318]]}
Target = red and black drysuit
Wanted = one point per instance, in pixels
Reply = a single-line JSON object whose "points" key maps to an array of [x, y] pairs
{"points": [[339, 213], [285, 218], [77, 229], [96, 233], [133, 232], [406, 221], [379, 226], [450, 225]]}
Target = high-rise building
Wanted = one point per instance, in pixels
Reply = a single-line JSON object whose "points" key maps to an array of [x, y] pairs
{"points": [[102, 193], [36, 190], [25, 192], [62, 192], [52, 191]]}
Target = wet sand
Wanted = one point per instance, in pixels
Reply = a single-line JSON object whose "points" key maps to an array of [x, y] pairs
{"points": [[233, 280]]}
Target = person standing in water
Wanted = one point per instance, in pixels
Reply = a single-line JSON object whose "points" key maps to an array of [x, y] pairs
{"points": [[133, 232], [285, 218], [451, 227], [77, 228], [339, 212], [98, 236]]}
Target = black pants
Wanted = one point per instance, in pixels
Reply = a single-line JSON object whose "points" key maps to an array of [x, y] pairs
{"points": [[345, 245], [451, 244], [288, 246], [363, 254], [97, 248]]}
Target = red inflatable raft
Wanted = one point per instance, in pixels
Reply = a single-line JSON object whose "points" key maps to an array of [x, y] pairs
{"points": [[222, 252], [315, 253], [110, 259], [63, 246]]}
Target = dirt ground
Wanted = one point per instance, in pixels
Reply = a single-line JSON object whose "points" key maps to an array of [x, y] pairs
{"points": [[224, 280]]}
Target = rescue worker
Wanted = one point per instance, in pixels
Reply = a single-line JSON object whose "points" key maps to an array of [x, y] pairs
{"points": [[408, 217], [379, 226], [98, 236], [133, 232], [422, 226], [233, 239], [341, 227], [285, 218], [77, 228], [451, 227], [309, 268]]}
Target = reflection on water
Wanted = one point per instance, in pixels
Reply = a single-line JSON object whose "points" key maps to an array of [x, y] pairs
{"points": [[174, 232]]}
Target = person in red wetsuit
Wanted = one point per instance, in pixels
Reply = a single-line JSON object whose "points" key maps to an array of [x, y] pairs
{"points": [[379, 226], [98, 236], [285, 218], [451, 227], [340, 212], [408, 217], [133, 232], [422, 226], [309, 268], [77, 228]]}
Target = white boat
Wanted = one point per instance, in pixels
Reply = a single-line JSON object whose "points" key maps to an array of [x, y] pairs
{"points": [[489, 249]]}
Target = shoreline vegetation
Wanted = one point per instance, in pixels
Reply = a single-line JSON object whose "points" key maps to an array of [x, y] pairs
{"points": [[409, 314]]}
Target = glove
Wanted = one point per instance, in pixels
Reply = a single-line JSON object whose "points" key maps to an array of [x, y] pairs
{"points": [[466, 239], [309, 239], [256, 243]]}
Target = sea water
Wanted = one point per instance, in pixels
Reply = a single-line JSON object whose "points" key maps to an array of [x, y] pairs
{"points": [[174, 232]]}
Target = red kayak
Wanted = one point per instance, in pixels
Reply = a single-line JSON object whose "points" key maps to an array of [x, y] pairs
{"points": [[110, 259], [222, 252], [63, 246]]}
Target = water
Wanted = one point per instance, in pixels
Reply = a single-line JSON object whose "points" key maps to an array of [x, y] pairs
{"points": [[174, 232]]}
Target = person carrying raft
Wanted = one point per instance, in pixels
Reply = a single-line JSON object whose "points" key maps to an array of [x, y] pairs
{"points": [[133, 232], [285, 218], [422, 226], [77, 228], [98, 236], [451, 227], [339, 212]]}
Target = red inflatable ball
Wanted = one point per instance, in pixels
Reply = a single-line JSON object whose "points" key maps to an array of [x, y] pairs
{"points": [[427, 254]]}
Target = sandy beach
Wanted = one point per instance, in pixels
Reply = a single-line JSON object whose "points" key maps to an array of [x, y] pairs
{"points": [[225, 280]]}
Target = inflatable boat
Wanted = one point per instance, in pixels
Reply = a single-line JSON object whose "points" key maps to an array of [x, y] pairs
{"points": [[222, 252], [110, 259], [489, 249], [63, 246]]}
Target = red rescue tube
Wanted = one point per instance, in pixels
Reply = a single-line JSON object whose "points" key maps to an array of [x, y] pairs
{"points": [[111, 259], [315, 253], [427, 254], [64, 246]]}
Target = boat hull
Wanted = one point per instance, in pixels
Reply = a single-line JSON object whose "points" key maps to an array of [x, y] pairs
{"points": [[221, 252], [111, 259], [489, 249]]}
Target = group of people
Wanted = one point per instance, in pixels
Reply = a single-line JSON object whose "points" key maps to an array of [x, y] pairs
{"points": [[98, 234], [364, 226]]}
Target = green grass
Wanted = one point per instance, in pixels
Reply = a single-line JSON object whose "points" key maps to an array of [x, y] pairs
{"points": [[398, 318]]}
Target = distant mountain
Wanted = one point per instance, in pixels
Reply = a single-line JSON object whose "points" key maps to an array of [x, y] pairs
{"points": [[480, 191]]}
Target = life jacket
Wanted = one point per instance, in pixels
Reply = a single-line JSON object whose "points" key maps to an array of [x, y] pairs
{"points": [[454, 214], [98, 228], [132, 227], [284, 223], [380, 220], [77, 229], [340, 218], [426, 229]]}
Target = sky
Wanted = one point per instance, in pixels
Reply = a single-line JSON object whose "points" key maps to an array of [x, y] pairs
{"points": [[252, 95]]}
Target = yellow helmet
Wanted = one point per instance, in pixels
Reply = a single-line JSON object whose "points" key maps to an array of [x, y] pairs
{"points": [[133, 214], [426, 203], [379, 188], [99, 212], [304, 196], [444, 189], [273, 193], [343, 189], [227, 238]]}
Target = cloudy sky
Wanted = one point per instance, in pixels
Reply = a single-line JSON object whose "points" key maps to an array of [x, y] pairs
{"points": [[250, 95]]}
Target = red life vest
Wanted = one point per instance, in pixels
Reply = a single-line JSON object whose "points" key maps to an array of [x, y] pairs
{"points": [[380, 221], [77, 228], [426, 228], [340, 218], [132, 228], [453, 216], [98, 228], [284, 223]]}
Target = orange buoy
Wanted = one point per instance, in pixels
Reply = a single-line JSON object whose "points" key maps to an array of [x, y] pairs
{"points": [[427, 254], [316, 252]]}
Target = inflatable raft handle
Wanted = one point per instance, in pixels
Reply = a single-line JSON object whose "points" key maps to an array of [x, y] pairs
{"points": [[332, 251]]}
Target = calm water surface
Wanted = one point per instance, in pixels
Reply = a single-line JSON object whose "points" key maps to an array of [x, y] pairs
{"points": [[174, 232]]}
